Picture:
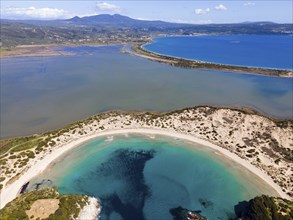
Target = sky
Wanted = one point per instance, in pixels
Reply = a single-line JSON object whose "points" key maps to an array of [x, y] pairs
{"points": [[192, 11]]}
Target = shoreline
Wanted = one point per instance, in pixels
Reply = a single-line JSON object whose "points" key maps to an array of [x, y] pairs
{"points": [[211, 63], [244, 109], [9, 192], [32, 51], [43, 50], [91, 211], [138, 50]]}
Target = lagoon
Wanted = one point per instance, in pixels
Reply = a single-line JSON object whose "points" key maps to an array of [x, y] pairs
{"points": [[44, 93], [143, 177]]}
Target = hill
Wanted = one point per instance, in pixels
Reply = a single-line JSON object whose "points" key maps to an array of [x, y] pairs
{"points": [[265, 208], [105, 29], [118, 21]]}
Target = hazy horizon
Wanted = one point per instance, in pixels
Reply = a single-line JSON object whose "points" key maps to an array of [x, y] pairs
{"points": [[199, 12], [60, 19]]}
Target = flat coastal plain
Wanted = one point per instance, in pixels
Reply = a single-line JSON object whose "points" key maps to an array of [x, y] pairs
{"points": [[32, 51]]}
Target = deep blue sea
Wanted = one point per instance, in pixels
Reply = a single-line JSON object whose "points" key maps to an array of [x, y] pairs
{"points": [[139, 177], [269, 51]]}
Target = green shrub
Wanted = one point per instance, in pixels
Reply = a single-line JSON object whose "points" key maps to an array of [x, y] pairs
{"points": [[267, 208], [30, 154], [69, 205], [12, 157]]}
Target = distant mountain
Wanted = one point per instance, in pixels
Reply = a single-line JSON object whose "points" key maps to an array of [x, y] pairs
{"points": [[117, 28], [118, 21], [103, 21]]}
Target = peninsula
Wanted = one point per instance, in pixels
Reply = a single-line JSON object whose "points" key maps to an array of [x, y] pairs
{"points": [[138, 50]]}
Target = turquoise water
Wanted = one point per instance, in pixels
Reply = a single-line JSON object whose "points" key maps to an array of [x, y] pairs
{"points": [[36, 92], [270, 51], [139, 177]]}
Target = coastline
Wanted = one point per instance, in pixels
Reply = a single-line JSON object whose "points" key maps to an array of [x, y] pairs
{"points": [[138, 50], [91, 211], [9, 192], [33, 51], [43, 50], [211, 63]]}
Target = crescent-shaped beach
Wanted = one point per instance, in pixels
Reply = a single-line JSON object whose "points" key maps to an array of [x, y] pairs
{"points": [[114, 123]]}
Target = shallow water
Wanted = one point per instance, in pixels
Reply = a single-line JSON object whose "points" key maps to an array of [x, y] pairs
{"points": [[269, 51], [139, 177], [44, 93]]}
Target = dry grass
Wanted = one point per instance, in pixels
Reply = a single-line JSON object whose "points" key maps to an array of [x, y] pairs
{"points": [[42, 208]]}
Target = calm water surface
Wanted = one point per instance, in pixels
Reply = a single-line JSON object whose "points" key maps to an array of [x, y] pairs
{"points": [[138, 177], [43, 93], [269, 51]]}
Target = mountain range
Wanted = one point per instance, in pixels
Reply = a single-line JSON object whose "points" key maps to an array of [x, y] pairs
{"points": [[117, 20], [118, 29]]}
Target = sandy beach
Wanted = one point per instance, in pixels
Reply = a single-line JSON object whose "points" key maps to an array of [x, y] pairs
{"points": [[10, 191], [140, 51]]}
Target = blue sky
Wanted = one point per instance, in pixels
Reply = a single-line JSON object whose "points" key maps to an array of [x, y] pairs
{"points": [[197, 12]]}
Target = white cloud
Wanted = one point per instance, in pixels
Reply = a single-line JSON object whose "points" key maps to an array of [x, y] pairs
{"points": [[190, 21], [85, 15], [144, 19], [221, 7], [248, 4], [200, 11], [32, 12], [104, 6]]}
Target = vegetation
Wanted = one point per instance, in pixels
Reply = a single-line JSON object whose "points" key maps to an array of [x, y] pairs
{"points": [[69, 205], [18, 144], [105, 29], [265, 208], [16, 153], [262, 207], [184, 63]]}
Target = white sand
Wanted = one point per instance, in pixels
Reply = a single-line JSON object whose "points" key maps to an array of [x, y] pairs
{"points": [[9, 192]]}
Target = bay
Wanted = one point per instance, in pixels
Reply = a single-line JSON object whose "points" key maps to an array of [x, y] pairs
{"points": [[143, 177], [267, 51]]}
